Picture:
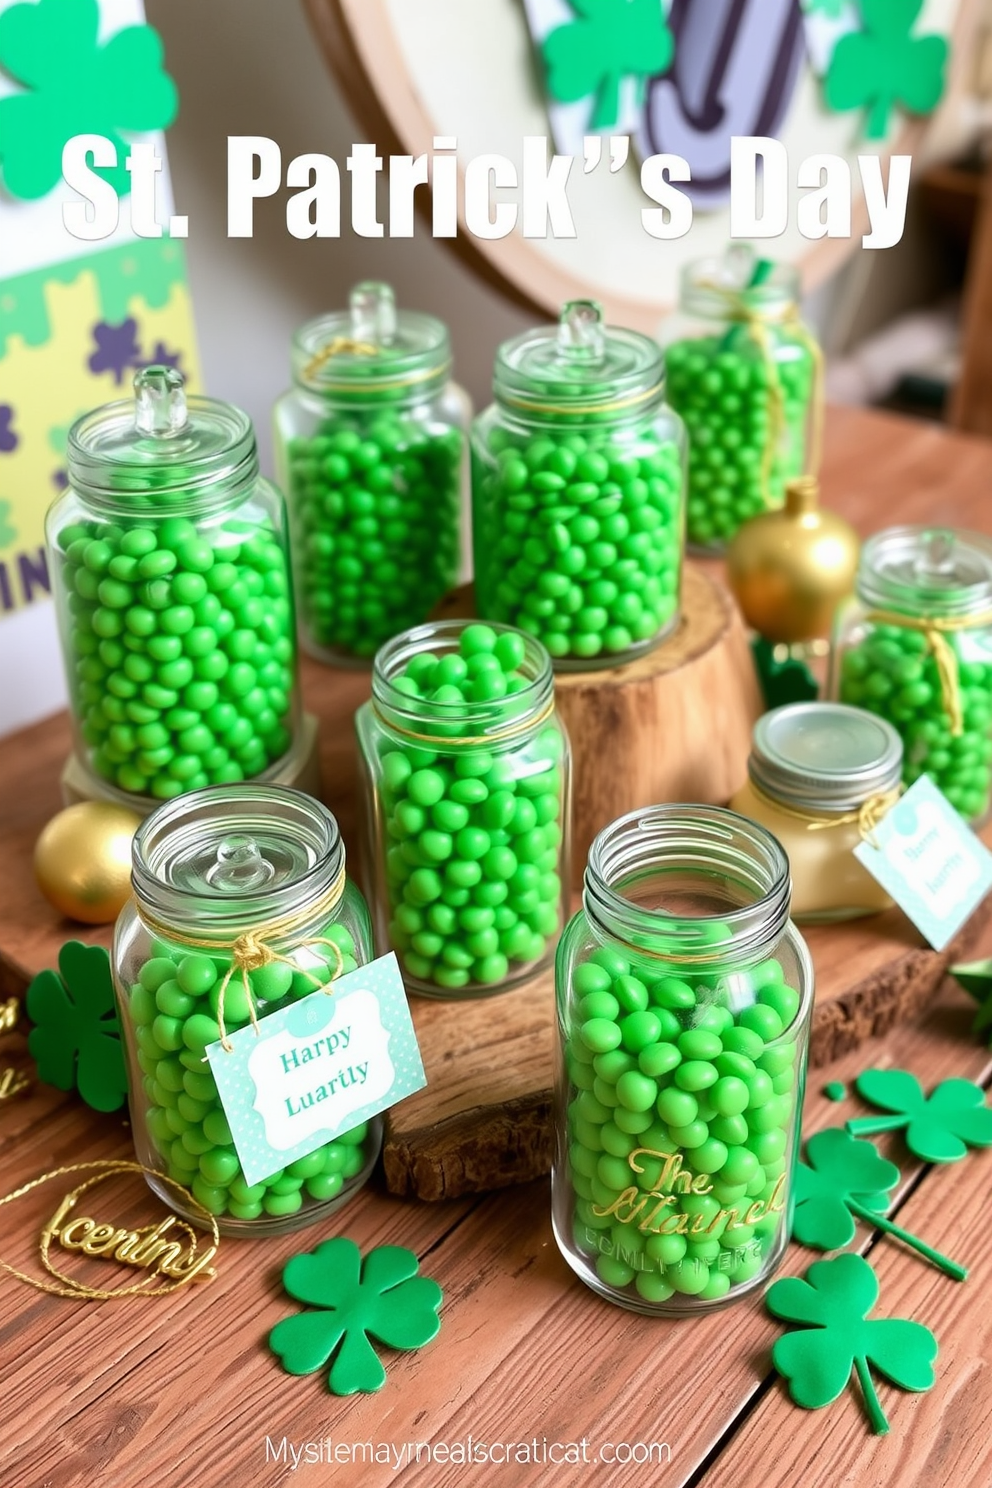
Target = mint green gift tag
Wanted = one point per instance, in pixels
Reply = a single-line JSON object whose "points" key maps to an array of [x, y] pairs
{"points": [[930, 861], [318, 1068]]}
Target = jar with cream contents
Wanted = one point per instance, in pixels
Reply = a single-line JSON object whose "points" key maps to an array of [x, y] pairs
{"points": [[820, 777]]}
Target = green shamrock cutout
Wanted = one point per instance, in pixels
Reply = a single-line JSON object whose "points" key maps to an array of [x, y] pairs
{"points": [[76, 1040], [885, 64], [382, 1296], [843, 1178], [786, 681], [608, 40], [976, 979], [834, 1302], [75, 85], [940, 1129]]}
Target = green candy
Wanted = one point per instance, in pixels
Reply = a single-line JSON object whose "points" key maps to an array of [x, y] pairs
{"points": [[732, 391]]}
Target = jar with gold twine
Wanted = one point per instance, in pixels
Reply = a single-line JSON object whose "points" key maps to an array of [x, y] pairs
{"points": [[746, 376], [915, 648], [241, 907], [821, 776], [466, 769]]}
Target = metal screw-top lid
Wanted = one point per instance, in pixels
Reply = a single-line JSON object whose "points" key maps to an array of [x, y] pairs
{"points": [[927, 571], [162, 447], [824, 756], [579, 365]]}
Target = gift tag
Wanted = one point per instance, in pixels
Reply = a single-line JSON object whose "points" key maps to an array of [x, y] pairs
{"points": [[930, 861], [318, 1068]]}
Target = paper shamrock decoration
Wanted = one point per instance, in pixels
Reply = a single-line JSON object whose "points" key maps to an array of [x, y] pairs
{"points": [[834, 1302], [76, 1040], [382, 1296], [938, 1129], [607, 41], [75, 85], [841, 1178], [788, 681], [885, 64], [976, 979]]}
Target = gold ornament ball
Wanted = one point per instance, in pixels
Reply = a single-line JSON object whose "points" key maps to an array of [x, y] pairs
{"points": [[82, 861], [790, 569]]}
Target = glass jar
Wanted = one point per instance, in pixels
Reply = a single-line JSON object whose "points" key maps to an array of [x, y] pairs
{"points": [[684, 999], [217, 865], [578, 470], [466, 771], [370, 448], [915, 647], [169, 560], [820, 777], [744, 373]]}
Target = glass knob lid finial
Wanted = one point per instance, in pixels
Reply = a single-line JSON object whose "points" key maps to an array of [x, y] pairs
{"points": [[581, 331], [373, 312], [937, 554], [160, 402], [239, 866]]}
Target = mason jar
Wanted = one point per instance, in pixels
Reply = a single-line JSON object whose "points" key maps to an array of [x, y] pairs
{"points": [[915, 648], [578, 470], [821, 776], [743, 372], [684, 1000], [170, 571], [219, 865], [370, 449], [466, 774]]}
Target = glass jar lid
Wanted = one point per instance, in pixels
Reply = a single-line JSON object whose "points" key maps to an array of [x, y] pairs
{"points": [[371, 348], [739, 285], [824, 756], [927, 571], [162, 444], [579, 366], [232, 858]]}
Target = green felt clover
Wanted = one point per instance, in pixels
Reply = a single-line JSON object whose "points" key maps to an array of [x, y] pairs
{"points": [[885, 64], [834, 1302], [939, 1129], [843, 1178], [75, 85], [382, 1296], [608, 40], [76, 1040], [976, 979]]}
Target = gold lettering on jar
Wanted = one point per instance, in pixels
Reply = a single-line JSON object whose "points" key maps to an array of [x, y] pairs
{"points": [[677, 1182]]}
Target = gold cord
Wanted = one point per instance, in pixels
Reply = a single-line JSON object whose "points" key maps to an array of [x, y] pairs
{"points": [[340, 346], [935, 629], [867, 817], [10, 1012], [500, 736], [108, 1168]]}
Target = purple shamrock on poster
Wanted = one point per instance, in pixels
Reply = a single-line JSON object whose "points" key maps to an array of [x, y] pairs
{"points": [[8, 437], [117, 348]]}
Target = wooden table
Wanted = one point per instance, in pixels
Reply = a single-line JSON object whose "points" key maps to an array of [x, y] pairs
{"points": [[167, 1393]]}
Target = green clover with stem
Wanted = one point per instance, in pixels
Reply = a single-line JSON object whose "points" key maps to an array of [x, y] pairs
{"points": [[382, 1296], [939, 1129], [76, 1040], [841, 1178], [74, 85], [834, 1302], [976, 979], [885, 64], [608, 40]]}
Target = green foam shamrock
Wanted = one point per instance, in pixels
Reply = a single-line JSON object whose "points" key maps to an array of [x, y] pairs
{"points": [[76, 1040], [608, 40], [785, 681], [382, 1296], [976, 979], [843, 1178], [940, 1129], [75, 86], [834, 1301], [885, 64]]}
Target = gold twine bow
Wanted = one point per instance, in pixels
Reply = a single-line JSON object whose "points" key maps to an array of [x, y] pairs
{"points": [[249, 953], [340, 346], [935, 630], [867, 817], [758, 320]]}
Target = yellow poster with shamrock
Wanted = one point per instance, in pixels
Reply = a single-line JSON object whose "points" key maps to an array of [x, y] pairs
{"points": [[76, 319]]}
